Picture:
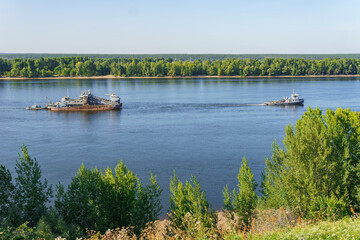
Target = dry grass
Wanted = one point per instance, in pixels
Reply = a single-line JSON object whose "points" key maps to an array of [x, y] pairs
{"points": [[273, 220], [266, 224], [227, 225]]}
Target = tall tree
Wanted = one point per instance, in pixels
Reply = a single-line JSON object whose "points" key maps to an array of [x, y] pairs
{"points": [[31, 194], [189, 200], [243, 200], [6, 193], [320, 159]]}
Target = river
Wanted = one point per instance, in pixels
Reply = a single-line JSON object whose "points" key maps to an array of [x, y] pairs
{"points": [[202, 127]]}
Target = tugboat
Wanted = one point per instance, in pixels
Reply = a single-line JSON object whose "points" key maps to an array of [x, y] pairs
{"points": [[87, 102], [293, 100]]}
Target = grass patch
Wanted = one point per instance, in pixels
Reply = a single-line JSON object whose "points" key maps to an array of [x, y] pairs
{"points": [[347, 228]]}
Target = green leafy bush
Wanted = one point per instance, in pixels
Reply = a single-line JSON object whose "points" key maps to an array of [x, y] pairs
{"points": [[328, 208], [26, 200], [243, 201], [100, 200], [320, 160], [23, 232], [190, 210], [31, 194], [6, 192]]}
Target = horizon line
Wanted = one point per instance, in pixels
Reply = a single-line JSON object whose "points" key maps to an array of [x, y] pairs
{"points": [[182, 53]]}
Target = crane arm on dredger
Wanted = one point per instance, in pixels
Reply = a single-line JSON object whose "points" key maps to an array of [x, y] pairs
{"points": [[48, 101]]}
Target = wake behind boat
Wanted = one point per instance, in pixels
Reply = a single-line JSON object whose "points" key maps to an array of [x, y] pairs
{"points": [[293, 100]]}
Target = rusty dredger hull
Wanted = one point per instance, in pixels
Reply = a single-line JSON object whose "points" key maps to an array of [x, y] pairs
{"points": [[87, 108], [87, 102]]}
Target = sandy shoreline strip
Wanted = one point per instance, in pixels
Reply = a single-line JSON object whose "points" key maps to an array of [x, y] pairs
{"points": [[179, 77]]}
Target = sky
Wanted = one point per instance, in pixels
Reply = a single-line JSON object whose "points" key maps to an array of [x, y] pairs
{"points": [[180, 26]]}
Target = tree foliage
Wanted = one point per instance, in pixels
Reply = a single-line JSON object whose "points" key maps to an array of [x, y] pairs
{"points": [[100, 200], [189, 201], [31, 194], [71, 66], [24, 201], [243, 200], [6, 192], [320, 160]]}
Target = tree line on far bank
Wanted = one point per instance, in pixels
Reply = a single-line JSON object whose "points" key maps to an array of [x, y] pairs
{"points": [[316, 175], [167, 67]]}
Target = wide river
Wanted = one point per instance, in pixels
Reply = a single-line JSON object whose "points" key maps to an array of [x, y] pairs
{"points": [[202, 127]]}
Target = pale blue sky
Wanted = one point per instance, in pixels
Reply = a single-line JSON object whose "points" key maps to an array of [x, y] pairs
{"points": [[180, 26]]}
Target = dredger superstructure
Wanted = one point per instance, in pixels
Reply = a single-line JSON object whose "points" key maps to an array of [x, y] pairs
{"points": [[87, 102]]}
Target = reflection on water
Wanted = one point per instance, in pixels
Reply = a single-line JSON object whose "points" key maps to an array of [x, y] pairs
{"points": [[88, 115], [193, 126], [291, 108], [89, 118]]}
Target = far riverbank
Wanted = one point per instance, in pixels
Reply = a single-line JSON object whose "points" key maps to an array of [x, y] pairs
{"points": [[178, 77]]}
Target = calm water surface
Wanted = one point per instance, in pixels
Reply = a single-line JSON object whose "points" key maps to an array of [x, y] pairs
{"points": [[193, 126]]}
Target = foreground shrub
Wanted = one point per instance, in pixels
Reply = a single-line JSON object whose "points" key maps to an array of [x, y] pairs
{"points": [[31, 194], [190, 210], [100, 200], [23, 232], [6, 191], [51, 226], [320, 159], [330, 208], [24, 201], [242, 202]]}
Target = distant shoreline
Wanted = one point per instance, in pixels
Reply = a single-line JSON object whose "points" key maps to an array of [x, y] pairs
{"points": [[180, 77]]}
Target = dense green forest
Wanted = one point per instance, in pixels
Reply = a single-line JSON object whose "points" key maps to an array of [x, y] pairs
{"points": [[77, 66], [314, 177], [177, 56]]}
